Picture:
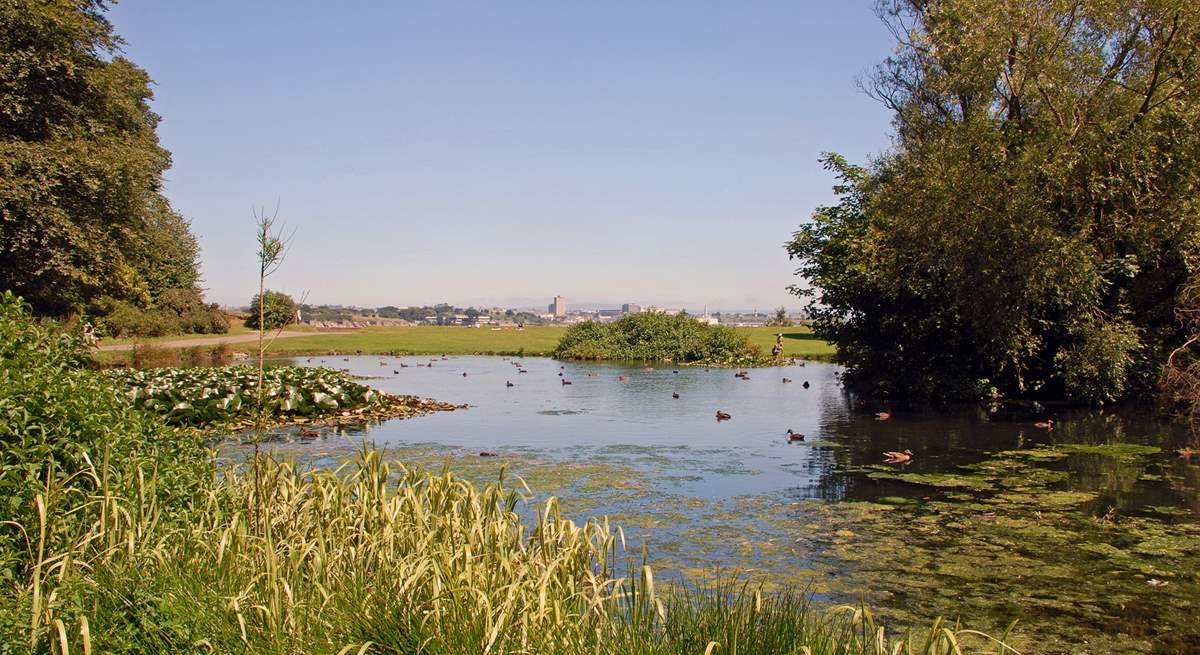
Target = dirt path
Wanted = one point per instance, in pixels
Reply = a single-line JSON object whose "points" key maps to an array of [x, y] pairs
{"points": [[211, 341]]}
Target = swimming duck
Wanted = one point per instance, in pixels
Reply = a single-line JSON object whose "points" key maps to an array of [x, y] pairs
{"points": [[622, 378], [429, 365], [521, 370], [1187, 452], [309, 434], [722, 416], [464, 374], [509, 384], [560, 374], [883, 416], [1047, 424], [395, 372], [787, 380], [487, 453], [794, 436], [565, 381], [805, 385], [675, 394], [403, 365], [893, 457]]}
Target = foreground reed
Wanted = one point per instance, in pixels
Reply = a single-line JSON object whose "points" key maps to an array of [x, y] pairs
{"points": [[379, 558]]}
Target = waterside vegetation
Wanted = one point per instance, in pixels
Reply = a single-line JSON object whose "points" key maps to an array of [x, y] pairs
{"points": [[658, 337]]}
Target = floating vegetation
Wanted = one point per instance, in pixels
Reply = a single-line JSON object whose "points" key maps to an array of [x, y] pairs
{"points": [[1131, 451], [227, 397]]}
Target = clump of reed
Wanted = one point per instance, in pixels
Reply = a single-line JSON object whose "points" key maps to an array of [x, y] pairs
{"points": [[376, 557]]}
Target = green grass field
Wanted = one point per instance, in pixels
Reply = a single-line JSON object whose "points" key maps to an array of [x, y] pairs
{"points": [[534, 340]]}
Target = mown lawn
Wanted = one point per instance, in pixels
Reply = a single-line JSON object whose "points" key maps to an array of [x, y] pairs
{"points": [[534, 340]]}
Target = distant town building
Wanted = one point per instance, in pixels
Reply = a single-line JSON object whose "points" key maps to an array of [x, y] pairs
{"points": [[609, 312], [558, 308], [631, 308]]}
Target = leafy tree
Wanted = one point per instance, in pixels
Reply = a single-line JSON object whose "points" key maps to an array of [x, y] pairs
{"points": [[81, 215], [780, 319], [278, 310], [1033, 225]]}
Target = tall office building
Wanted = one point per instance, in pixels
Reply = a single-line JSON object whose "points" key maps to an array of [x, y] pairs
{"points": [[558, 307], [631, 308]]}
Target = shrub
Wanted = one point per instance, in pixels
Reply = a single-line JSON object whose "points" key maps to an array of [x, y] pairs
{"points": [[127, 320], [278, 310], [66, 432], [654, 336], [193, 314]]}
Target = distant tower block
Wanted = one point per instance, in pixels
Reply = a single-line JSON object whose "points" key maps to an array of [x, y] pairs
{"points": [[558, 307]]}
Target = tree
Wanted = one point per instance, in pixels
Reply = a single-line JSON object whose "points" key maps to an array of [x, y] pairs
{"points": [[81, 214], [1036, 219], [780, 319], [278, 310]]}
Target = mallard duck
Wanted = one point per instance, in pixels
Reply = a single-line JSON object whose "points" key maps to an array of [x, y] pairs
{"points": [[1187, 452], [395, 372], [309, 434], [787, 380], [1047, 424], [560, 374], [464, 374], [488, 453], [674, 394], [521, 370], [794, 436], [565, 381], [509, 384], [429, 365], [622, 378], [883, 416], [722, 416], [893, 457], [805, 385]]}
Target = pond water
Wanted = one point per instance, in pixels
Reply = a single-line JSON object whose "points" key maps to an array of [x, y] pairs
{"points": [[1088, 535]]}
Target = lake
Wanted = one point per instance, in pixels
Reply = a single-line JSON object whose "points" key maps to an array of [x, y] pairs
{"points": [[1088, 535]]}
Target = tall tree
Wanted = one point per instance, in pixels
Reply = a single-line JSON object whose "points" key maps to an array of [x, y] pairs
{"points": [[1032, 227], [81, 215]]}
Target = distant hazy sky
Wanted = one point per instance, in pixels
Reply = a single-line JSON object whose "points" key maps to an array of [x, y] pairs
{"points": [[502, 152]]}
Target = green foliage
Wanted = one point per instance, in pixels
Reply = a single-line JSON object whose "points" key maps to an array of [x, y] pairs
{"points": [[200, 396], [653, 336], [278, 310], [780, 319], [64, 431], [1036, 219], [80, 165]]}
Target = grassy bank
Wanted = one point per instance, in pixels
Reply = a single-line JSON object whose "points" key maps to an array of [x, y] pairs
{"points": [[539, 340], [798, 342]]}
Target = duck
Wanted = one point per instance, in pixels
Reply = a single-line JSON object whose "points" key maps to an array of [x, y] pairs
{"points": [[622, 378], [429, 365], [675, 372], [648, 369], [787, 380], [674, 394], [521, 370], [723, 416], [395, 371], [464, 374], [794, 436], [560, 374], [403, 365], [806, 384], [1047, 424], [893, 457], [488, 453], [509, 383], [309, 434], [883, 416], [1188, 452], [565, 382]]}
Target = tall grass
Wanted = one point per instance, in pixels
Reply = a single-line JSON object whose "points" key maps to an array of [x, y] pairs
{"points": [[376, 557]]}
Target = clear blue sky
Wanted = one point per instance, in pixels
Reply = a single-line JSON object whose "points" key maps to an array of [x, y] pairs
{"points": [[502, 152]]}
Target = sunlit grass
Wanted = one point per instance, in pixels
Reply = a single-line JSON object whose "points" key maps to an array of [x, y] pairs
{"points": [[378, 558]]}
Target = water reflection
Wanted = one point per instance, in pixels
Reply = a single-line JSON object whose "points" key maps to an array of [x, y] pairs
{"points": [[1091, 527]]}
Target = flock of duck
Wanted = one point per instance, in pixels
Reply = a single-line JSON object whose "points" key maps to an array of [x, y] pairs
{"points": [[889, 456]]}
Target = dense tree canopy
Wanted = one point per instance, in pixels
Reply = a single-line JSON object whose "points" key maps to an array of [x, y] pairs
{"points": [[81, 216], [1033, 225], [277, 311]]}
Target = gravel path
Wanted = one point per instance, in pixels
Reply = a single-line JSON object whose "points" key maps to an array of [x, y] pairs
{"points": [[211, 341]]}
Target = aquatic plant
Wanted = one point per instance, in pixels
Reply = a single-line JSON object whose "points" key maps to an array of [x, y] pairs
{"points": [[204, 396]]}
